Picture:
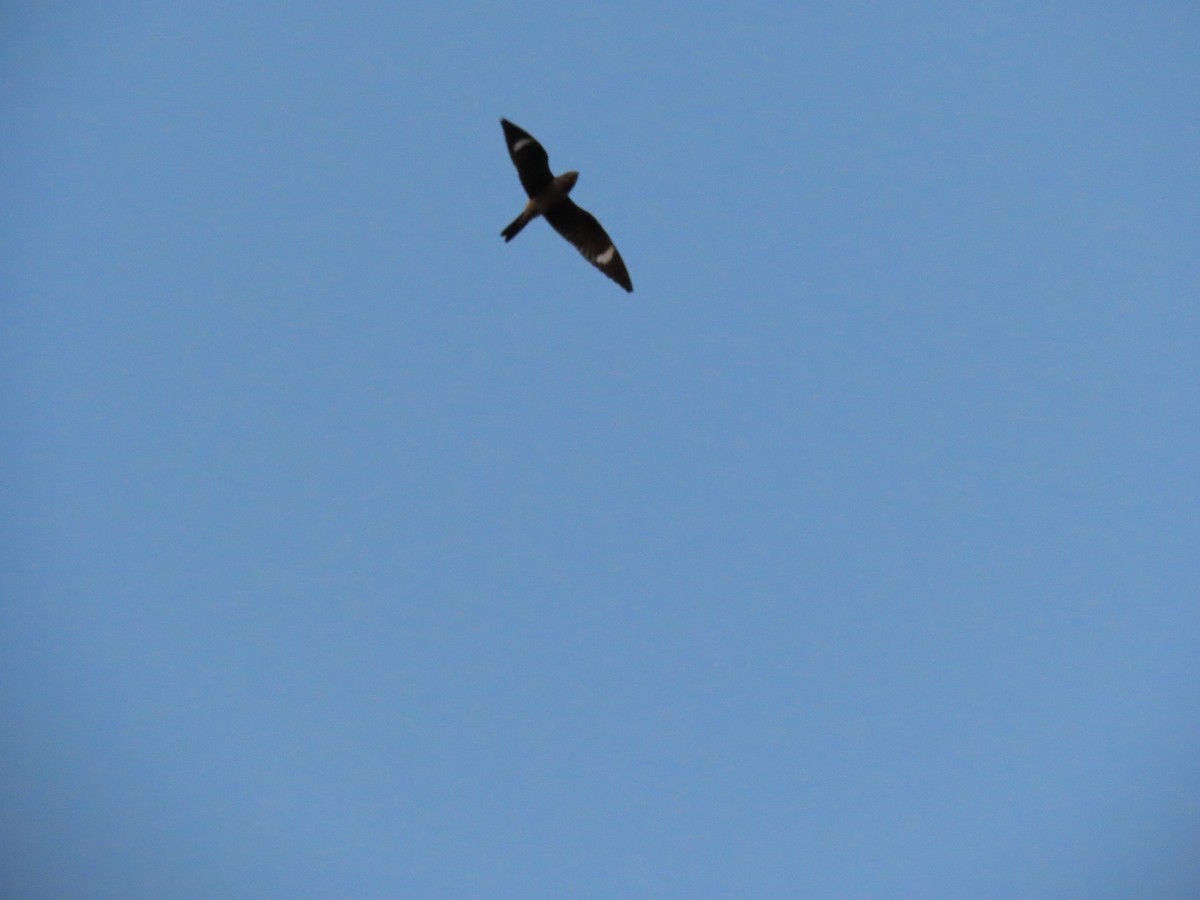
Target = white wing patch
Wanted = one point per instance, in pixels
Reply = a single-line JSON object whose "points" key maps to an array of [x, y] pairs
{"points": [[606, 257], [521, 143]]}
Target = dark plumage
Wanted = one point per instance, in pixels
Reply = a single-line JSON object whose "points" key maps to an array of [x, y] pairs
{"points": [[548, 198]]}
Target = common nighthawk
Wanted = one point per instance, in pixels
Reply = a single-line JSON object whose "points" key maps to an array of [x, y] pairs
{"points": [[548, 197]]}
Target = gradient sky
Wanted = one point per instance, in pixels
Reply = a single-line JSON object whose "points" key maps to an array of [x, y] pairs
{"points": [[349, 551]]}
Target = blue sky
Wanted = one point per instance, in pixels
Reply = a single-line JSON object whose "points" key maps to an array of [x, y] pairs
{"points": [[349, 551]]}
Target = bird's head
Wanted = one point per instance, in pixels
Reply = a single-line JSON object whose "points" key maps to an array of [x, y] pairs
{"points": [[566, 181]]}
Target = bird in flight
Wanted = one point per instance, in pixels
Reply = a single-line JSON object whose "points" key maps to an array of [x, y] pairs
{"points": [[548, 198]]}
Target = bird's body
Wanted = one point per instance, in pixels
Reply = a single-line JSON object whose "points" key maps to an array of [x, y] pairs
{"points": [[548, 198]]}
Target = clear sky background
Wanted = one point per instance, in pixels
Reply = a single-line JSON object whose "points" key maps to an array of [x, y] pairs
{"points": [[349, 551]]}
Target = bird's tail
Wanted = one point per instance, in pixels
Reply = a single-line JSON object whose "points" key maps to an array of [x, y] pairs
{"points": [[515, 226]]}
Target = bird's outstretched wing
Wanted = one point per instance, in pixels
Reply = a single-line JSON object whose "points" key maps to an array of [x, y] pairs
{"points": [[533, 165], [580, 227]]}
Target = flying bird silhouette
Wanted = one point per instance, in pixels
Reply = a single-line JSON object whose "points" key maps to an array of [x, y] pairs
{"points": [[548, 198]]}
